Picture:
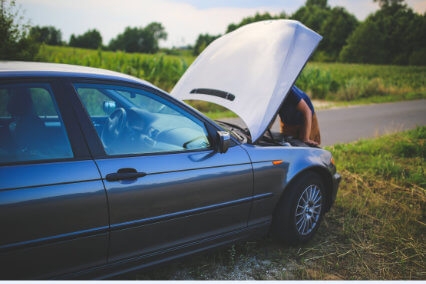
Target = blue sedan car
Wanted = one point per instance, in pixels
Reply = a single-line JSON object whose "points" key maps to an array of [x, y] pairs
{"points": [[102, 173]]}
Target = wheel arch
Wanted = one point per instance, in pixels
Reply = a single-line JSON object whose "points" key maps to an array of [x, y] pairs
{"points": [[282, 227], [325, 177]]}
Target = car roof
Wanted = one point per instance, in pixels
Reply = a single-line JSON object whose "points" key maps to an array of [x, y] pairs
{"points": [[43, 69]]}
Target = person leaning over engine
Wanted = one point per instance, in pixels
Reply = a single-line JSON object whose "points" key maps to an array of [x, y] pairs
{"points": [[298, 118]]}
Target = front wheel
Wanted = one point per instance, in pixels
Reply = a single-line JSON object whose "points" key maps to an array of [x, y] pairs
{"points": [[300, 210]]}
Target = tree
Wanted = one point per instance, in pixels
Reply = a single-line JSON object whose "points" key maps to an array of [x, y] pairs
{"points": [[256, 18], [320, 3], [48, 35], [312, 15], [336, 28], [154, 32], [130, 41], [202, 42], [335, 25], [15, 43], [392, 35], [365, 45], [418, 40], [143, 40], [91, 39]]}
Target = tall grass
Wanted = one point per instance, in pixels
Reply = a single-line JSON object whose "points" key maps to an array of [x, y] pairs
{"points": [[353, 83], [381, 207], [160, 69], [357, 82]]}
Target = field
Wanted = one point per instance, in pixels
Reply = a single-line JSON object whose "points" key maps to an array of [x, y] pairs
{"points": [[160, 69], [357, 83], [375, 231], [342, 83]]}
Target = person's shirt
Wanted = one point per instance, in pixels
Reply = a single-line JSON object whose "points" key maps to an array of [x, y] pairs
{"points": [[288, 111]]}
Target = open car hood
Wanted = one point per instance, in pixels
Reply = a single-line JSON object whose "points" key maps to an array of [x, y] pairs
{"points": [[250, 70]]}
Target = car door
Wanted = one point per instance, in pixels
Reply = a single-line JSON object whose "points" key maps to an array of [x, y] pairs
{"points": [[167, 186], [53, 213]]}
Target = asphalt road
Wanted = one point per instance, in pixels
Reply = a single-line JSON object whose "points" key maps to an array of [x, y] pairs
{"points": [[343, 125]]}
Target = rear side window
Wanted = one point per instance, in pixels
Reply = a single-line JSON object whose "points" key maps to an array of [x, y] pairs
{"points": [[31, 127]]}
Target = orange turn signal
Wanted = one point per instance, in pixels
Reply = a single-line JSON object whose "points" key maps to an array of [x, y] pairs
{"points": [[277, 162]]}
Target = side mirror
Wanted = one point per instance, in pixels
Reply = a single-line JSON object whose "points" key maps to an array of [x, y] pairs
{"points": [[224, 140], [109, 106]]}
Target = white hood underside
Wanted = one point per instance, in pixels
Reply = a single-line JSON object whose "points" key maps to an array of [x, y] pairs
{"points": [[250, 70]]}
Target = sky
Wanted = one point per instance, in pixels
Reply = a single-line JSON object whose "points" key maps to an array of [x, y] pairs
{"points": [[183, 20]]}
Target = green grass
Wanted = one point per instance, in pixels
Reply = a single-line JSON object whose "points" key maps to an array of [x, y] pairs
{"points": [[336, 82], [376, 230], [361, 83], [381, 206], [160, 69]]}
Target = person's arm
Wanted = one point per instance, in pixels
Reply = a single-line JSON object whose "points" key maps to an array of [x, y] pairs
{"points": [[303, 107]]}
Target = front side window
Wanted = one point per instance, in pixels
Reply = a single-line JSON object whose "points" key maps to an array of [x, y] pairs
{"points": [[133, 121], [31, 127]]}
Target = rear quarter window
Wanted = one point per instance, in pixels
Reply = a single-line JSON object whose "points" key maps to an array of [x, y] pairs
{"points": [[31, 127]]}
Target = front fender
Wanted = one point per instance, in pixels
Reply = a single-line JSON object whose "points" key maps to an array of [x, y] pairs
{"points": [[275, 167]]}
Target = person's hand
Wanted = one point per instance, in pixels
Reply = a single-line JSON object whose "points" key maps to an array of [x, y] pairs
{"points": [[311, 143]]}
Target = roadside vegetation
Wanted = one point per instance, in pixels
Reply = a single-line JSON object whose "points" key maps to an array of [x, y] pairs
{"points": [[159, 69], [338, 84], [375, 231], [392, 36], [363, 83]]}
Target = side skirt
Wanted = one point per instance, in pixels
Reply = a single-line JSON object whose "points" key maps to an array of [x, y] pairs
{"points": [[255, 231]]}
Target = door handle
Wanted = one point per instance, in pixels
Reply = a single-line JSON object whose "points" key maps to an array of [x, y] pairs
{"points": [[125, 174]]}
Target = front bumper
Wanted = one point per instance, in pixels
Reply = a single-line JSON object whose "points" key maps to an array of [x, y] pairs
{"points": [[336, 181]]}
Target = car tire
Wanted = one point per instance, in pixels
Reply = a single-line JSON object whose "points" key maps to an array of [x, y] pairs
{"points": [[300, 209]]}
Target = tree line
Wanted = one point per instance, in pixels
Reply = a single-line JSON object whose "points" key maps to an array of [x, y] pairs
{"points": [[137, 39], [394, 34], [21, 41]]}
